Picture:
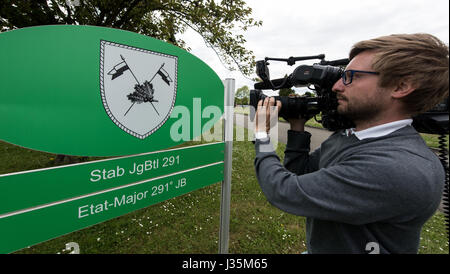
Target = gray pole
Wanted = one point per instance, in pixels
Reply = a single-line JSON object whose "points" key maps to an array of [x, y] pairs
{"points": [[229, 85]]}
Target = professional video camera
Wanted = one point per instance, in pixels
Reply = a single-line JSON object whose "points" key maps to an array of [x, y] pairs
{"points": [[322, 77]]}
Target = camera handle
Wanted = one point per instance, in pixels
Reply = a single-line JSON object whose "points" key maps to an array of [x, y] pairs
{"points": [[291, 60], [262, 69]]}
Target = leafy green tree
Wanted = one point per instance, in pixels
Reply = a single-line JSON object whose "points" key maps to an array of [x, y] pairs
{"points": [[241, 96], [286, 92], [309, 94], [161, 19]]}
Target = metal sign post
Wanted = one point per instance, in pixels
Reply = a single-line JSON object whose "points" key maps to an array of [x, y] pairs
{"points": [[229, 85]]}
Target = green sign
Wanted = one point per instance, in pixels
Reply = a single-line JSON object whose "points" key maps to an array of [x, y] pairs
{"points": [[94, 91], [39, 224], [36, 187]]}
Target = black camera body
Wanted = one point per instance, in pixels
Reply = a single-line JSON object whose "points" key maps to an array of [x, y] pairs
{"points": [[322, 76]]}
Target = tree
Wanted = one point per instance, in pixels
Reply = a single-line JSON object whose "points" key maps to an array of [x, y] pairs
{"points": [[241, 95], [161, 19], [286, 92], [310, 94]]}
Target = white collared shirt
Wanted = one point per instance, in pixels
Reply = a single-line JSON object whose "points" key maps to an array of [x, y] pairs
{"points": [[378, 131], [372, 132]]}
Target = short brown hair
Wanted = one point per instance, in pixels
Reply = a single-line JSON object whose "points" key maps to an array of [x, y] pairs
{"points": [[421, 58]]}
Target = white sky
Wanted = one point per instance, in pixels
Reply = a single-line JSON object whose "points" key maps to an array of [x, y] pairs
{"points": [[300, 28]]}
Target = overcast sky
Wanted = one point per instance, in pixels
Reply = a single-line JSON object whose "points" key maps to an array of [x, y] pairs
{"points": [[299, 28]]}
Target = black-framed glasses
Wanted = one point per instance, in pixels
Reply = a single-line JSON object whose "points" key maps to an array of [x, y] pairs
{"points": [[347, 76]]}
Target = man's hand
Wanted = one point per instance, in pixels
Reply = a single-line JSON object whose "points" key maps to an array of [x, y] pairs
{"points": [[266, 114], [298, 124]]}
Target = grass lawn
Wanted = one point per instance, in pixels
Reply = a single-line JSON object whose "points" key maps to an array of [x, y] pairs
{"points": [[190, 223]]}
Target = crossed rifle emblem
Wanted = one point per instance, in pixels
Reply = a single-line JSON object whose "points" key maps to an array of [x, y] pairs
{"points": [[143, 93]]}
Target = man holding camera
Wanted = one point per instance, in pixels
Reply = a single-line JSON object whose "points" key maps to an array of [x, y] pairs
{"points": [[372, 187]]}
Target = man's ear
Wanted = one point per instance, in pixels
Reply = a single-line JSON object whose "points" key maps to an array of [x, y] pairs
{"points": [[404, 88]]}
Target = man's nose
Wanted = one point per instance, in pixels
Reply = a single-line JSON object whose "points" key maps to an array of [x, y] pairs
{"points": [[338, 86]]}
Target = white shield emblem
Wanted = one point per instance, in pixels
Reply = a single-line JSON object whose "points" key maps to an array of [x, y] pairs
{"points": [[138, 87]]}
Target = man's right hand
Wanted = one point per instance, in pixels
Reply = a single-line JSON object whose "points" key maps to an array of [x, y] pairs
{"points": [[298, 124]]}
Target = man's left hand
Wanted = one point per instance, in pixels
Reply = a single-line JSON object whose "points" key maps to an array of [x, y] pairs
{"points": [[266, 114]]}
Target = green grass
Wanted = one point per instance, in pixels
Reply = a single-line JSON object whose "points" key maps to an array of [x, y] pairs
{"points": [[433, 239], [190, 223]]}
